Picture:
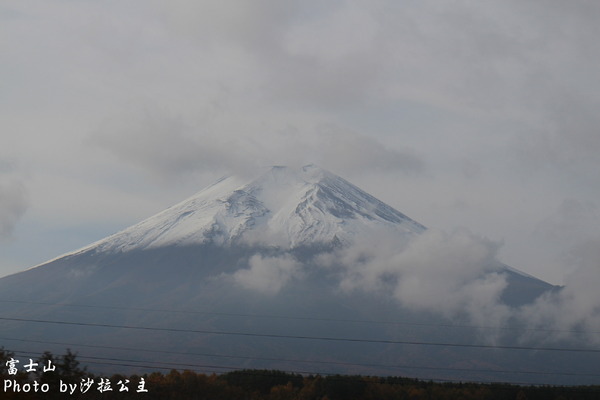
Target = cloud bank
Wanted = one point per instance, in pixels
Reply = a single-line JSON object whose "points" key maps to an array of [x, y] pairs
{"points": [[455, 275]]}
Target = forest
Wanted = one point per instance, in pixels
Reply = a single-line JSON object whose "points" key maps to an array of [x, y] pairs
{"points": [[62, 377]]}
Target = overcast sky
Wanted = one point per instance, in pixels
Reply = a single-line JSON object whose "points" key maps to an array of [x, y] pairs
{"points": [[461, 114]]}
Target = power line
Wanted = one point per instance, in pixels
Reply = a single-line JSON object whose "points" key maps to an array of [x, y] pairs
{"points": [[302, 318], [302, 337]]}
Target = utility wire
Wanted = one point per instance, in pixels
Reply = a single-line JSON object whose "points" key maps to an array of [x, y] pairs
{"points": [[301, 337], [302, 318]]}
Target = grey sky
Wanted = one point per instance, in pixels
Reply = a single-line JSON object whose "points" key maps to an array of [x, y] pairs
{"points": [[475, 114]]}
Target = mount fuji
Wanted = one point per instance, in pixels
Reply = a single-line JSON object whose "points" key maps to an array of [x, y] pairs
{"points": [[283, 271]]}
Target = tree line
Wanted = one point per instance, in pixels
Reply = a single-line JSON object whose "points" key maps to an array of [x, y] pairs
{"points": [[62, 377]]}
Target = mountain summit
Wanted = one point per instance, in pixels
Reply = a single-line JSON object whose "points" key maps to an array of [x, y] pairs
{"points": [[284, 206]]}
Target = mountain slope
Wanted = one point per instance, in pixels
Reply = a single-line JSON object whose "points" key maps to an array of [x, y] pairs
{"points": [[259, 269]]}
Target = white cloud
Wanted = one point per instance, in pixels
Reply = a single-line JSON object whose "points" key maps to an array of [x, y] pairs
{"points": [[573, 311], [168, 147], [268, 274], [454, 274]]}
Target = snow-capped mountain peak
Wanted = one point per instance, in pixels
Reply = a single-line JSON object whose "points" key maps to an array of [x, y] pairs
{"points": [[285, 206]]}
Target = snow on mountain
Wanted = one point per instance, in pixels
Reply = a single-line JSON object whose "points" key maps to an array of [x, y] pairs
{"points": [[286, 206]]}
